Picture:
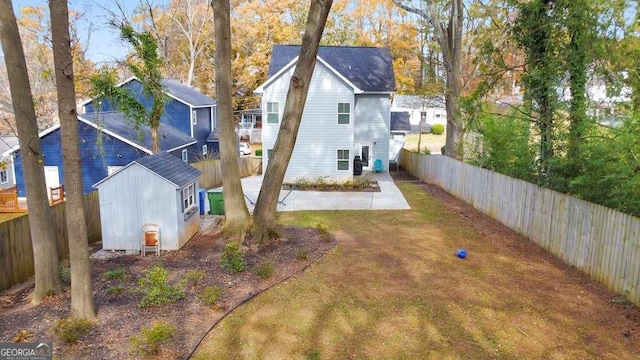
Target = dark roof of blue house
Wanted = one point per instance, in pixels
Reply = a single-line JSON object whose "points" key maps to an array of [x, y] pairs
{"points": [[368, 68], [187, 93], [170, 137], [400, 121], [170, 167]]}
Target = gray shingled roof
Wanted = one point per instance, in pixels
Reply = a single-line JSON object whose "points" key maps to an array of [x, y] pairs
{"points": [[187, 93], [417, 102], [400, 121], [170, 167], [7, 143], [368, 68], [170, 137]]}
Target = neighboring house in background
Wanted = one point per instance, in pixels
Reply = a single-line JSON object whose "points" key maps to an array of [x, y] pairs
{"points": [[108, 141], [431, 108], [400, 127], [7, 177], [347, 112], [250, 125], [158, 189]]}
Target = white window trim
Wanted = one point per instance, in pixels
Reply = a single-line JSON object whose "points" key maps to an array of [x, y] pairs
{"points": [[185, 156], [348, 160], [6, 176], [343, 113], [194, 117], [204, 149], [188, 197], [277, 112], [113, 169]]}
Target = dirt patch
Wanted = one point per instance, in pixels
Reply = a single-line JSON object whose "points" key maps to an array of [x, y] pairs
{"points": [[119, 317]]}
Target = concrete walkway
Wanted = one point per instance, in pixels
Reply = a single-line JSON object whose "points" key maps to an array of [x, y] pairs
{"points": [[389, 197]]}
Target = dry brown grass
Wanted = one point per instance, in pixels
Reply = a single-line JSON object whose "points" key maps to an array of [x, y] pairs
{"points": [[393, 289]]}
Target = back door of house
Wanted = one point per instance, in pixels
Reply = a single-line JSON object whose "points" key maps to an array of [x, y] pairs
{"points": [[365, 155]]}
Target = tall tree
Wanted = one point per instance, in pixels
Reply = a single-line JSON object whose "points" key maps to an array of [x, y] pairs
{"points": [[235, 207], [81, 286], [267, 203], [44, 243], [448, 34]]}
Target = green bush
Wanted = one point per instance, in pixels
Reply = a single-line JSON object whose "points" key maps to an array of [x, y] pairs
{"points": [[150, 339], [437, 129], [155, 289], [69, 330], [117, 274], [210, 295], [302, 253], [231, 259], [324, 231], [193, 277], [64, 272], [264, 269], [115, 290], [258, 152]]}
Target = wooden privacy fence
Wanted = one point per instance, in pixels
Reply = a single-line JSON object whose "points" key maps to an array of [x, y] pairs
{"points": [[16, 252], [212, 170], [602, 242]]}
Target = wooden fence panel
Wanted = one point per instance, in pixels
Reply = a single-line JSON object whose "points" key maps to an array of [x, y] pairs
{"points": [[16, 251], [212, 170], [602, 242]]}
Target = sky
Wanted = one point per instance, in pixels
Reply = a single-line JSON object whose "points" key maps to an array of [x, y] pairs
{"points": [[104, 45]]}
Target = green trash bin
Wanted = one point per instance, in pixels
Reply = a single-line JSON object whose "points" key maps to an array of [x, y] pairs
{"points": [[216, 202]]}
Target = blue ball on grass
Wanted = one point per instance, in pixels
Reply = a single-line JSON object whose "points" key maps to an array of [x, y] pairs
{"points": [[462, 253]]}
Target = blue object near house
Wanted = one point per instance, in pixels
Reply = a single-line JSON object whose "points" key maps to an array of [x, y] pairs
{"points": [[377, 166], [108, 140]]}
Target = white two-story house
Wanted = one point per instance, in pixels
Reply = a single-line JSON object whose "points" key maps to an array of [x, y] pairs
{"points": [[347, 113]]}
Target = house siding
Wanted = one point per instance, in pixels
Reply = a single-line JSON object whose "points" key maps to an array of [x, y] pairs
{"points": [[95, 158], [132, 198], [202, 129], [319, 136], [372, 120]]}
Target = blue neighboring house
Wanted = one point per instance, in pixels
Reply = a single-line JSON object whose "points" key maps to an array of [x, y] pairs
{"points": [[108, 141]]}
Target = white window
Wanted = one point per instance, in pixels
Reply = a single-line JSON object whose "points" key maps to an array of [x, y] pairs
{"points": [[188, 197], [204, 149], [273, 112], [344, 113], [343, 159], [194, 117], [185, 156], [112, 169], [3, 176]]}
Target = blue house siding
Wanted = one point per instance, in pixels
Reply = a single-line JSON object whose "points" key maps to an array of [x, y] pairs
{"points": [[202, 128], [95, 160], [193, 153]]}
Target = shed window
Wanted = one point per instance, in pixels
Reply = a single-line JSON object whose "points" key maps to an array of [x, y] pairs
{"points": [[185, 156], [273, 112], [344, 113], [188, 197], [343, 159], [3, 176], [204, 149], [194, 116]]}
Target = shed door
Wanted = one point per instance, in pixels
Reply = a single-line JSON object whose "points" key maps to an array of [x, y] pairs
{"points": [[51, 177]]}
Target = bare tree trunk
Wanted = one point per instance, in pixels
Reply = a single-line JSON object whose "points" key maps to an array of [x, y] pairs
{"points": [[266, 206], [81, 286], [45, 253], [236, 211]]}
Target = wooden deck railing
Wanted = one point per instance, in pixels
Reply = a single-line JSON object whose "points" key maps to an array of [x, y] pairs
{"points": [[9, 200]]}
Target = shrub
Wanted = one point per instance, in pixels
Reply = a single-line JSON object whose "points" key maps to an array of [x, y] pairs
{"points": [[324, 231], [437, 129], [264, 269], [22, 336], [231, 259], [115, 290], [69, 330], [193, 277], [258, 152], [150, 339], [302, 253], [64, 272], [117, 274], [155, 289], [210, 295]]}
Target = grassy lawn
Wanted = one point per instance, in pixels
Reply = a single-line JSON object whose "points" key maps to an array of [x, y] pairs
{"points": [[8, 216], [429, 141], [393, 289]]}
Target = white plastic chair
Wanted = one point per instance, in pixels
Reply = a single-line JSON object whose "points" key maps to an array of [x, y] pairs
{"points": [[150, 239]]}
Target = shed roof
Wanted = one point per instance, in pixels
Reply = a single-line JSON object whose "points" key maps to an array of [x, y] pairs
{"points": [[170, 167], [368, 68], [170, 137], [400, 121]]}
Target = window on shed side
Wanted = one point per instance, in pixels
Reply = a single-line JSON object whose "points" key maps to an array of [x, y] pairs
{"points": [[343, 159], [188, 197], [344, 113], [273, 112]]}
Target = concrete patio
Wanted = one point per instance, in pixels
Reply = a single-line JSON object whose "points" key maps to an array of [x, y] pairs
{"points": [[389, 197]]}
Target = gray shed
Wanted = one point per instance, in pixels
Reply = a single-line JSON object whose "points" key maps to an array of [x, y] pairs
{"points": [[158, 189]]}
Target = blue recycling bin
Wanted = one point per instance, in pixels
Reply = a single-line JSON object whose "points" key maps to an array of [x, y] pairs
{"points": [[202, 196]]}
